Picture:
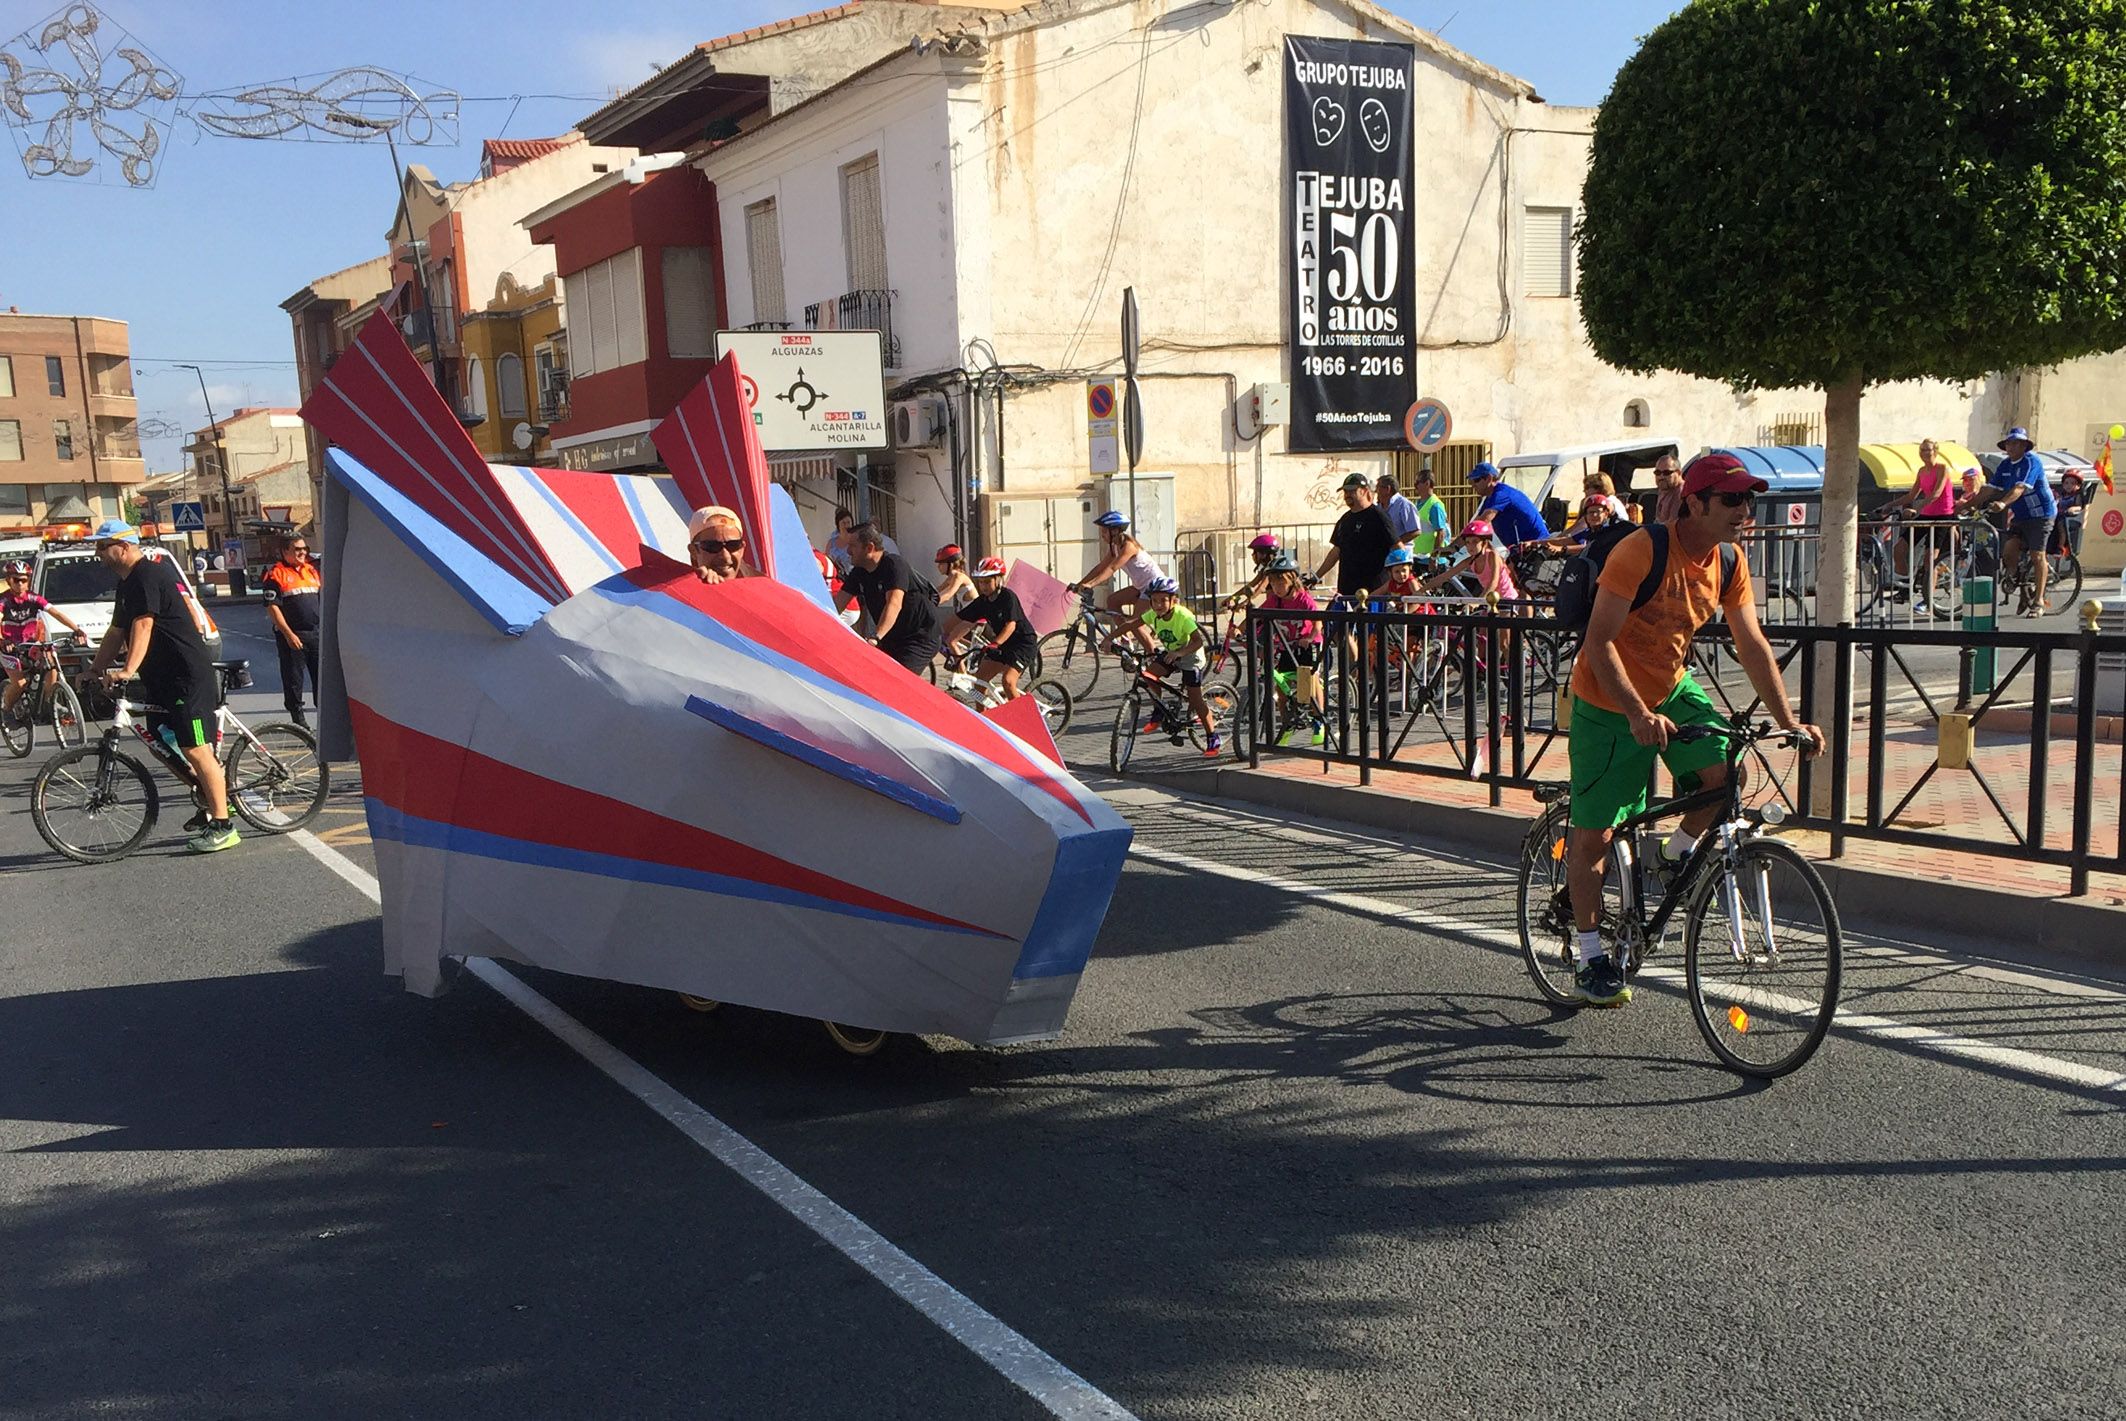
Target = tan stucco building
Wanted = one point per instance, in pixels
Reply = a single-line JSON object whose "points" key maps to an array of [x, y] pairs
{"points": [[69, 425]]}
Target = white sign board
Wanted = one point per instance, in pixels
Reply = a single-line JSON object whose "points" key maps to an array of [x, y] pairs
{"points": [[1103, 451], [812, 391]]}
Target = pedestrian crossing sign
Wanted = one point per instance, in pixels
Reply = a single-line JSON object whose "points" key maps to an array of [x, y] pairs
{"points": [[188, 517]]}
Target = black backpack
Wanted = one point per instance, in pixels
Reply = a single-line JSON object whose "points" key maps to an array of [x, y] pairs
{"points": [[1576, 583]]}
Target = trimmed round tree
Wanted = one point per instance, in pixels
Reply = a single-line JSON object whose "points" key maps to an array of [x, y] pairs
{"points": [[1834, 193]]}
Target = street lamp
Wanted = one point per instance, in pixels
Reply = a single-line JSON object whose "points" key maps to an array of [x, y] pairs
{"points": [[221, 455]]}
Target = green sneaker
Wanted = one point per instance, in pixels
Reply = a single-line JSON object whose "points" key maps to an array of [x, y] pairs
{"points": [[1599, 983], [214, 838], [1321, 733]]}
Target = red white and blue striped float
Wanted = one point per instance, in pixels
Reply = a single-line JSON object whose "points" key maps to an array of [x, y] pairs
{"points": [[577, 755]]}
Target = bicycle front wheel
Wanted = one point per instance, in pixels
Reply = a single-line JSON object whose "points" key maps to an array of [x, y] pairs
{"points": [[1123, 739], [1070, 655], [1762, 956], [1229, 713], [279, 783], [1055, 702], [93, 804], [62, 712]]}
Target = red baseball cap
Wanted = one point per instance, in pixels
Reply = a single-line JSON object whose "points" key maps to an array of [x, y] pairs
{"points": [[1719, 473]]}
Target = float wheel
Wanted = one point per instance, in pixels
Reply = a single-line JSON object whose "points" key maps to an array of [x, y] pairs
{"points": [[694, 1003], [856, 1040]]}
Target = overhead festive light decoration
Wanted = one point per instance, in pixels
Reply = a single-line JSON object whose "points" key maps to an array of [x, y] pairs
{"points": [[346, 106], [78, 88]]}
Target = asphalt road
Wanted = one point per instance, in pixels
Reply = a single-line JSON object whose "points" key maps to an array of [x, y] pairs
{"points": [[1296, 1155]]}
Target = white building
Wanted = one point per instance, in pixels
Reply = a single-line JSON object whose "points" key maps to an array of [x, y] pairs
{"points": [[1006, 179]]}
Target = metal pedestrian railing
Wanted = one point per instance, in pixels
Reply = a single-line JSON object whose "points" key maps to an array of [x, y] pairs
{"points": [[1981, 742]]}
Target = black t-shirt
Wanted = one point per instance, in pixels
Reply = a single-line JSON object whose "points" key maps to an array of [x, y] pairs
{"points": [[177, 654], [994, 611], [918, 621], [1362, 538]]}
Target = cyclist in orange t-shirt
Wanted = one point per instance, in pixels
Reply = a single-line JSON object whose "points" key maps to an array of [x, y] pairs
{"points": [[1632, 690]]}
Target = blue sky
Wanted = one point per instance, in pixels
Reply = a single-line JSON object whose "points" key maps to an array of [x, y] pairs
{"points": [[200, 263]]}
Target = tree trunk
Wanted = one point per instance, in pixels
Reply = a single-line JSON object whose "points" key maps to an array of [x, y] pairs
{"points": [[1837, 558], [1839, 550]]}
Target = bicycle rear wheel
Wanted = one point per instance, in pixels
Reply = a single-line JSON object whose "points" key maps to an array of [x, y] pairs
{"points": [[62, 712], [1070, 655], [1762, 957], [18, 726], [1229, 713], [93, 805], [1129, 716], [1055, 702], [1546, 909], [280, 783], [2063, 582]]}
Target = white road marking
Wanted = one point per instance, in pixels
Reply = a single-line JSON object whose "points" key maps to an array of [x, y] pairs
{"points": [[2008, 1058], [1056, 1387]]}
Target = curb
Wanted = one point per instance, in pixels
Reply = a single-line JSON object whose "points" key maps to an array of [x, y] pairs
{"points": [[2031, 929]]}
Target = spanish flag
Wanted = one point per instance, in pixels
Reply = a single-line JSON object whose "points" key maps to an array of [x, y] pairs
{"points": [[2103, 465]]}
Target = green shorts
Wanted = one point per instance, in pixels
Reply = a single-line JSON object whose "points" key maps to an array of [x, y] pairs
{"points": [[1610, 770]]}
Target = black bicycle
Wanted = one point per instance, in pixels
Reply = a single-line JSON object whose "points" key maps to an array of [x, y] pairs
{"points": [[1153, 706], [1762, 949], [46, 700]]}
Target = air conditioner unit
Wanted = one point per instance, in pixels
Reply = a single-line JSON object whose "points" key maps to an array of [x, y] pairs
{"points": [[919, 423]]}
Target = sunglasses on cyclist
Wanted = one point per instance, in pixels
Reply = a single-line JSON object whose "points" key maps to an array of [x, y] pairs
{"points": [[710, 545], [1733, 500]]}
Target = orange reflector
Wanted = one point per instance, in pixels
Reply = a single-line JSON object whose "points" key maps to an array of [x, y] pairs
{"points": [[1738, 1018], [1557, 850]]}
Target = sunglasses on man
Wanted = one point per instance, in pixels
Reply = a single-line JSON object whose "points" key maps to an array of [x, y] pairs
{"points": [[710, 545], [1733, 500]]}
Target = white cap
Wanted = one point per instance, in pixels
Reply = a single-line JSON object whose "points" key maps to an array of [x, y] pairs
{"points": [[703, 516]]}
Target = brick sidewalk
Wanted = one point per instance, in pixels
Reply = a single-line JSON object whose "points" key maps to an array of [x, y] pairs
{"points": [[1951, 801]]}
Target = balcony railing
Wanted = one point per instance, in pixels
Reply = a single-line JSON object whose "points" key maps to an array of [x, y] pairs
{"points": [[859, 311], [768, 326]]}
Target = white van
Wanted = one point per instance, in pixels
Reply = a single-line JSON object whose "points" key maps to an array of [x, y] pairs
{"points": [[75, 581]]}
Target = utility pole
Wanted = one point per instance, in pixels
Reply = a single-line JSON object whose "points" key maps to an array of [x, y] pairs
{"points": [[221, 456]]}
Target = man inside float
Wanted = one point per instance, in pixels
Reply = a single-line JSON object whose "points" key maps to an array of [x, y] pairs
{"points": [[716, 545]]}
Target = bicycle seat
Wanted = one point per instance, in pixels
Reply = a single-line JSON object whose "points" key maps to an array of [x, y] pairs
{"points": [[1551, 792]]}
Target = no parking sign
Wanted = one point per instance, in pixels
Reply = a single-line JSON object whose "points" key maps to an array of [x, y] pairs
{"points": [[1427, 425]]}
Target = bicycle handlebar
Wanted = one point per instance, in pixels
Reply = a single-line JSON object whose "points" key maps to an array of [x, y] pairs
{"points": [[1740, 734]]}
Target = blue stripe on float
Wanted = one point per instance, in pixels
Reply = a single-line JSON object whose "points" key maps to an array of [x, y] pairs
{"points": [[820, 758], [1087, 868], [393, 826], [575, 524], [633, 498], [507, 604]]}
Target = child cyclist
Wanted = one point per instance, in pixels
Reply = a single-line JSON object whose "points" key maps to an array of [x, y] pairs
{"points": [[954, 585], [1012, 643], [1297, 643], [1401, 582], [1266, 549], [1170, 632], [21, 622], [1483, 563]]}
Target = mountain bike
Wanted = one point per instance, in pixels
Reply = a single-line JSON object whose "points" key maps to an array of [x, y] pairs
{"points": [[1762, 949], [1152, 706], [978, 695], [96, 803], [46, 700], [1071, 653]]}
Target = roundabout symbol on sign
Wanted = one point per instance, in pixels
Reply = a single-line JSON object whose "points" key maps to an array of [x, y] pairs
{"points": [[802, 393], [1427, 425]]}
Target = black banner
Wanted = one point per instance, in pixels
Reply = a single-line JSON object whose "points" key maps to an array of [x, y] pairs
{"points": [[1353, 307]]}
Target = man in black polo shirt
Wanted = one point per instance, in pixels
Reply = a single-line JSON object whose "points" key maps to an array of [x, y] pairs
{"points": [[904, 617], [1358, 548], [154, 637]]}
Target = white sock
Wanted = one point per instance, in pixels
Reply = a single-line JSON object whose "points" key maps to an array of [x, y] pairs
{"points": [[1589, 945], [1677, 846]]}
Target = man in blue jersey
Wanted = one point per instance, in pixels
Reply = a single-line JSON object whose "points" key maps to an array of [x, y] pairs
{"points": [[1511, 513], [2020, 478]]}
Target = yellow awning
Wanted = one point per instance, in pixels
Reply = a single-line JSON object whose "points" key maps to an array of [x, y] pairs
{"points": [[1891, 468]]}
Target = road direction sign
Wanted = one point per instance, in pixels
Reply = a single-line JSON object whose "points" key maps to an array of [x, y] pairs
{"points": [[1427, 425], [1103, 453], [812, 391], [188, 517]]}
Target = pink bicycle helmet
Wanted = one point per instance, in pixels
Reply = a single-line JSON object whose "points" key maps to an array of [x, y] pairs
{"points": [[1265, 543], [1477, 528]]}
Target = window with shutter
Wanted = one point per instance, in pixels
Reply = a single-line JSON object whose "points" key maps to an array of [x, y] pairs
{"points": [[689, 304], [604, 311], [509, 385], [864, 225], [1546, 251], [629, 336], [764, 261]]}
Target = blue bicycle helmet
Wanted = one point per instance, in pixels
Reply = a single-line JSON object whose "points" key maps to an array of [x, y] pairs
{"points": [[1397, 557], [1111, 519], [1162, 584]]}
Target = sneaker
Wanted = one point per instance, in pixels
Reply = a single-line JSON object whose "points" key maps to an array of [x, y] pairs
{"points": [[214, 838], [1599, 983], [1212, 744], [1321, 733], [196, 823], [1154, 725]]}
